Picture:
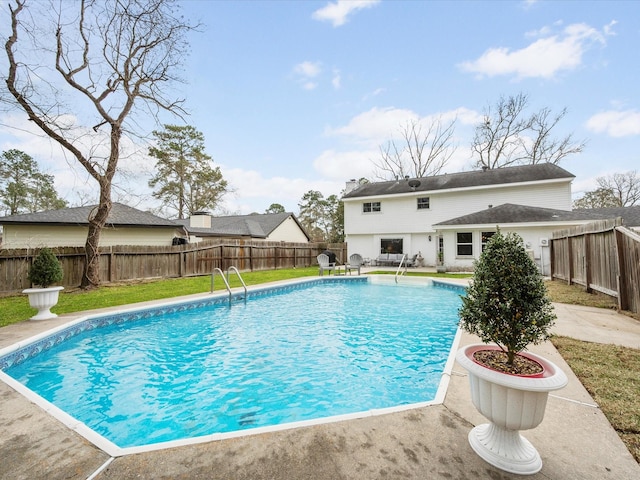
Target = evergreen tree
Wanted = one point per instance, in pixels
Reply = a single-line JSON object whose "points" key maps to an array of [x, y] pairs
{"points": [[185, 179], [23, 187]]}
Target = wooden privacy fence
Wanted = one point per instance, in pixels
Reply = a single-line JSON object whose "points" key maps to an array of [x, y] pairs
{"points": [[602, 256], [124, 263]]}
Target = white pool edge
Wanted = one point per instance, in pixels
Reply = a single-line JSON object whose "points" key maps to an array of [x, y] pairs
{"points": [[113, 450]]}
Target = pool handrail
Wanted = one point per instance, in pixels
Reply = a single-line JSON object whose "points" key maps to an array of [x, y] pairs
{"points": [[213, 274], [402, 260], [237, 272]]}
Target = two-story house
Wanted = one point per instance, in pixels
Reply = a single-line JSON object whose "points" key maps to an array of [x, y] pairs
{"points": [[455, 214]]}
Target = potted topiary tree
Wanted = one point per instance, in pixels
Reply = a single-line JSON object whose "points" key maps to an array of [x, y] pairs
{"points": [[45, 271], [506, 304]]}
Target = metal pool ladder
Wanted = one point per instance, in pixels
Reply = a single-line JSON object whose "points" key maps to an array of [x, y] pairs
{"points": [[402, 261], [226, 281]]}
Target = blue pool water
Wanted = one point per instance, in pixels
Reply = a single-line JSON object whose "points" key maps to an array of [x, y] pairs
{"points": [[314, 351]]}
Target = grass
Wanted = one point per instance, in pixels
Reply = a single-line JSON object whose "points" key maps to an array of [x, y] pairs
{"points": [[561, 292], [611, 374]]}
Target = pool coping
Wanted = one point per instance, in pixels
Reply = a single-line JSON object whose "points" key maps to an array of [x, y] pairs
{"points": [[114, 451]]}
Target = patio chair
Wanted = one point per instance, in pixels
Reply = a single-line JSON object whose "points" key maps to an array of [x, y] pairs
{"points": [[324, 264], [355, 262]]}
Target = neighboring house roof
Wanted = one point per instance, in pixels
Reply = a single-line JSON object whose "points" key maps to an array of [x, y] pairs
{"points": [[630, 215], [254, 226], [477, 178], [120, 215], [511, 213]]}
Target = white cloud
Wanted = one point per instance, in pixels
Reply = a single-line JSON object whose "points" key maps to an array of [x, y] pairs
{"points": [[364, 133], [308, 69], [340, 166], [374, 125], [616, 123], [337, 12], [336, 81], [608, 29], [544, 58], [377, 125], [255, 193], [307, 72]]}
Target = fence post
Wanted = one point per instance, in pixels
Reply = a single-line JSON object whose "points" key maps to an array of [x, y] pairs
{"points": [[112, 265], [587, 263], [569, 260], [623, 301]]}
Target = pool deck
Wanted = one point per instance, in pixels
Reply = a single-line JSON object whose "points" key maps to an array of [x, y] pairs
{"points": [[575, 440]]}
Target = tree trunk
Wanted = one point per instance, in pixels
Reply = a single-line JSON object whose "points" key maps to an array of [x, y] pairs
{"points": [[97, 220]]}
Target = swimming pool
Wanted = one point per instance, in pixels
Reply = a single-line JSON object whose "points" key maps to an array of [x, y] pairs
{"points": [[206, 369]]}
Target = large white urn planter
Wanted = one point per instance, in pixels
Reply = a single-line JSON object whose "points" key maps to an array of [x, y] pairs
{"points": [[510, 403], [43, 299]]}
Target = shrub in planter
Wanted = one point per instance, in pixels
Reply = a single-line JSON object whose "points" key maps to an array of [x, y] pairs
{"points": [[507, 304], [507, 301], [46, 269]]}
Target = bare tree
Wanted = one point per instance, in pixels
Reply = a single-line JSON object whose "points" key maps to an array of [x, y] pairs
{"points": [[497, 139], [108, 57], [544, 148], [624, 186], [598, 198], [507, 135], [424, 150]]}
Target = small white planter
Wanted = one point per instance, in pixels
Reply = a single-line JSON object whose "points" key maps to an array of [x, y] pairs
{"points": [[43, 299], [510, 403]]}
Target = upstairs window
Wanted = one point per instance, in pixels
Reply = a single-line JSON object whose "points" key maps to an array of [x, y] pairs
{"points": [[464, 244], [369, 207], [423, 203]]}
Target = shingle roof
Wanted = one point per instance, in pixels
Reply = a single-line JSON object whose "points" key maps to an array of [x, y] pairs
{"points": [[255, 226], [120, 215], [497, 176], [630, 215], [511, 213]]}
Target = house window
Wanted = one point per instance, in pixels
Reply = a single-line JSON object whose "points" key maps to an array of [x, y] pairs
{"points": [[369, 207], [464, 245], [485, 238], [423, 203], [391, 245]]}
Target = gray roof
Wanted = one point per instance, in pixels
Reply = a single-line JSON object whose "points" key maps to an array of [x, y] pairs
{"points": [[497, 176], [511, 213], [630, 215], [120, 215], [254, 226]]}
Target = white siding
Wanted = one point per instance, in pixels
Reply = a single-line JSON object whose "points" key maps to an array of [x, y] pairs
{"points": [[288, 231], [531, 236], [32, 236], [400, 218]]}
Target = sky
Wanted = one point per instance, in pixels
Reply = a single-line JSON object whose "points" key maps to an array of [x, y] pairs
{"points": [[293, 96]]}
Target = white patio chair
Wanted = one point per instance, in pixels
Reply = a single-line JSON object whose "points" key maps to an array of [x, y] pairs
{"points": [[355, 262], [323, 263]]}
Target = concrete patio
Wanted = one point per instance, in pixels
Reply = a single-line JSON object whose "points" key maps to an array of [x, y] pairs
{"points": [[575, 440]]}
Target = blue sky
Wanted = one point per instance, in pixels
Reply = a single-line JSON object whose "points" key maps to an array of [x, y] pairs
{"points": [[295, 96]]}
